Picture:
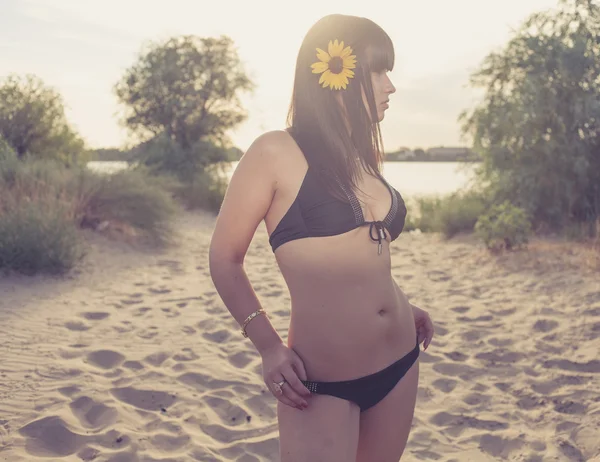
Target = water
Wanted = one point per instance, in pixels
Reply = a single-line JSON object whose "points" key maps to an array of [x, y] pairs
{"points": [[414, 179], [105, 166], [410, 178]]}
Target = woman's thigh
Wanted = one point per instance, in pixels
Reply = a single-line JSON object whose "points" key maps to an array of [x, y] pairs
{"points": [[327, 431], [384, 428]]}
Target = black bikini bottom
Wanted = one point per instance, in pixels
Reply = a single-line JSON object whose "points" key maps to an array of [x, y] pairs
{"points": [[367, 391]]}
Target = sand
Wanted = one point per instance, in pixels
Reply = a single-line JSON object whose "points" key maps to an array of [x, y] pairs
{"points": [[134, 357]]}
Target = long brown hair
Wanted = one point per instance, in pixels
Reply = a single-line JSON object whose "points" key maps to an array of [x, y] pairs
{"points": [[337, 143]]}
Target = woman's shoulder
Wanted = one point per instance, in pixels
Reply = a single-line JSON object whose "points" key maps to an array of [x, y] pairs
{"points": [[273, 141]]}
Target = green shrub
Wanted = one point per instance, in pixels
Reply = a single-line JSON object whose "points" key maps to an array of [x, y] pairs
{"points": [[7, 153], [129, 198], [504, 227], [38, 236], [460, 212], [42, 203], [448, 215], [205, 191]]}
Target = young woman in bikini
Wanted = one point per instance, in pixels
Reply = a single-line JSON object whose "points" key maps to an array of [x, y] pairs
{"points": [[346, 381]]}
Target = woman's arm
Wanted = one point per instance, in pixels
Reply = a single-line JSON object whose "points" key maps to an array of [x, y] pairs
{"points": [[245, 205]]}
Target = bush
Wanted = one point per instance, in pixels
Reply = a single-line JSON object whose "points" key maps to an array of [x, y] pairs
{"points": [[130, 199], [7, 153], [205, 191], [504, 227], [39, 236], [448, 215], [42, 202], [460, 212]]}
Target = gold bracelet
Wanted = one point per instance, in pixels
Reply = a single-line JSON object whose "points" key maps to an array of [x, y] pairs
{"points": [[250, 318]]}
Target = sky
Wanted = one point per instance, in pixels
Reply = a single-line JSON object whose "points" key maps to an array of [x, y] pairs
{"points": [[83, 47]]}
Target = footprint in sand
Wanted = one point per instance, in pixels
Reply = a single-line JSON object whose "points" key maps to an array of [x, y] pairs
{"points": [[500, 342], [132, 302], [92, 414], [77, 326], [219, 336], [133, 365], [568, 407], [530, 401], [170, 312], [149, 333], [156, 359], [125, 327], [187, 354], [505, 312], [169, 443], [462, 371], [475, 399], [51, 436], [69, 390], [500, 356], [241, 359], [160, 291], [446, 419], [229, 413], [592, 366], [445, 385], [592, 311], [456, 356], [460, 309], [483, 318], [438, 276], [545, 325], [141, 311], [95, 315], [105, 359], [149, 400], [188, 330], [549, 386]]}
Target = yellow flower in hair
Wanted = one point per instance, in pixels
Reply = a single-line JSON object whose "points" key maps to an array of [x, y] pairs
{"points": [[335, 65]]}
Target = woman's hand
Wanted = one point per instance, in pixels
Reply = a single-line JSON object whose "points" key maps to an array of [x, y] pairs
{"points": [[423, 325], [281, 363]]}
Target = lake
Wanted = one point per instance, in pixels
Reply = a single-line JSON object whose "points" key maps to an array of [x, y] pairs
{"points": [[410, 178]]}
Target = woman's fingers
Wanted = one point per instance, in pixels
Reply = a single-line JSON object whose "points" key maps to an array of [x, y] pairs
{"points": [[290, 387], [294, 381], [298, 366], [429, 330], [280, 394]]}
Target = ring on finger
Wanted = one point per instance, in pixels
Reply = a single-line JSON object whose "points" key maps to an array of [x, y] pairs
{"points": [[277, 386]]}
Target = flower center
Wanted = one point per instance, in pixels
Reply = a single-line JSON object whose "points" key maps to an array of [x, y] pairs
{"points": [[336, 65]]}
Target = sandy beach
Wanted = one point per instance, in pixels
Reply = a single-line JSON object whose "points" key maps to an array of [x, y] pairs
{"points": [[133, 357]]}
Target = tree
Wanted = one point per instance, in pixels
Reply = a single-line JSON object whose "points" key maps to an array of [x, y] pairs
{"points": [[33, 121], [537, 127], [186, 89]]}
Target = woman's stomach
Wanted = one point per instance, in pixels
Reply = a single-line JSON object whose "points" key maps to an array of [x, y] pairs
{"points": [[347, 319]]}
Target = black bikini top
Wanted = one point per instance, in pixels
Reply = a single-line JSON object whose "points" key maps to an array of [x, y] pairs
{"points": [[315, 212]]}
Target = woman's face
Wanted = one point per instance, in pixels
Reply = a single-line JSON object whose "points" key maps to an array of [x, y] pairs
{"points": [[382, 89]]}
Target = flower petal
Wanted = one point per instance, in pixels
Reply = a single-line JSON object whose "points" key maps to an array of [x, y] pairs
{"points": [[323, 56], [346, 52], [349, 63], [326, 76], [319, 67], [330, 48]]}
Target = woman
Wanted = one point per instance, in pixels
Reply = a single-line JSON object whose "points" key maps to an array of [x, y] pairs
{"points": [[346, 382]]}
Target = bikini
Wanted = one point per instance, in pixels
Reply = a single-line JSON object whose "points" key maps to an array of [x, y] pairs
{"points": [[315, 213]]}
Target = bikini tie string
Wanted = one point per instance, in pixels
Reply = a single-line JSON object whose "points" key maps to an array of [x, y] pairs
{"points": [[379, 228]]}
